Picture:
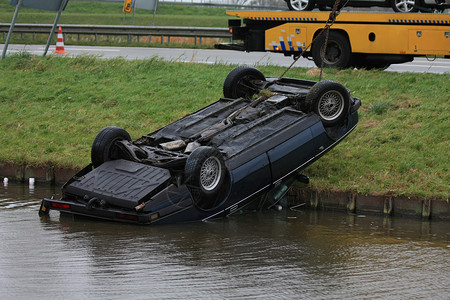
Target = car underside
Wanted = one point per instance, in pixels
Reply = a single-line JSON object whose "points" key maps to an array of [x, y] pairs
{"points": [[248, 147]]}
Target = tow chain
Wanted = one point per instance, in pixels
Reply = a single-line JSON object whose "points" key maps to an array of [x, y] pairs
{"points": [[331, 19]]}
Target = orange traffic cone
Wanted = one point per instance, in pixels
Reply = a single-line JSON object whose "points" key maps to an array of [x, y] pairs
{"points": [[60, 43]]}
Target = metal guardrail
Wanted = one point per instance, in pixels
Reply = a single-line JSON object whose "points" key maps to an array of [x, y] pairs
{"points": [[162, 31]]}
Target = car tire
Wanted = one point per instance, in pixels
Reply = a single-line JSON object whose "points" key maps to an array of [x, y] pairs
{"points": [[298, 5], [403, 6], [205, 174], [241, 82], [330, 101], [103, 147], [338, 54]]}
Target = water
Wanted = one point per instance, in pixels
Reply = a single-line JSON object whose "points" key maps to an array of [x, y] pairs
{"points": [[281, 255]]}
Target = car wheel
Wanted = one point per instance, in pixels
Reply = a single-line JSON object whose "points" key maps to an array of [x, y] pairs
{"points": [[301, 5], [104, 148], [204, 175], [338, 51], [403, 6], [242, 82], [329, 100]]}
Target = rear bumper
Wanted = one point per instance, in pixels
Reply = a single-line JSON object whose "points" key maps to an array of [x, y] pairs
{"points": [[356, 105], [99, 213]]}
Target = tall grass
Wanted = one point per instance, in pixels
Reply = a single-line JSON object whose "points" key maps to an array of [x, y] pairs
{"points": [[51, 109]]}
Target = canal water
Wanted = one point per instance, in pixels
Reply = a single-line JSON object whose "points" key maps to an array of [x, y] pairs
{"points": [[288, 254]]}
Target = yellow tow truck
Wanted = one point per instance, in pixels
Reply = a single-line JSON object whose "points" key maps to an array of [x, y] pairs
{"points": [[355, 39]]}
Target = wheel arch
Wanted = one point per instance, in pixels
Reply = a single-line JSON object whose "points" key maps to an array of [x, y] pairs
{"points": [[337, 30]]}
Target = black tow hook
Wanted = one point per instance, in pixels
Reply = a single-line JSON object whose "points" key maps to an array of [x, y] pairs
{"points": [[43, 210], [95, 202], [302, 178]]}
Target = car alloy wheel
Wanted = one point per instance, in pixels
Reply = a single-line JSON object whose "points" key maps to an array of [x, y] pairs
{"points": [[404, 6], [331, 105]]}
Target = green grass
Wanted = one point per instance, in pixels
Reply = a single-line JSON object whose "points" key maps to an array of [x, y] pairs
{"points": [[110, 13], [51, 109]]}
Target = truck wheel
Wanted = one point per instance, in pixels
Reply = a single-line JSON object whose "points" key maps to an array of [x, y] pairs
{"points": [[242, 82], [104, 148], [361, 62], [377, 65], [330, 100], [403, 6], [338, 52], [204, 175], [301, 5]]}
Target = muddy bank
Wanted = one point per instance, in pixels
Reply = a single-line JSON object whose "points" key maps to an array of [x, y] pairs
{"points": [[371, 204], [341, 201], [43, 174]]}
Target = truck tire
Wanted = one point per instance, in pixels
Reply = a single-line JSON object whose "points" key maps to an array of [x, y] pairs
{"points": [[338, 54], [376, 65], [300, 5], [204, 175], [242, 82], [403, 6], [368, 63], [103, 147], [330, 101]]}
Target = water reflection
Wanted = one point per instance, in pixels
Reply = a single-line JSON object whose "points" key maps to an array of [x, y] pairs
{"points": [[288, 254], [15, 196]]}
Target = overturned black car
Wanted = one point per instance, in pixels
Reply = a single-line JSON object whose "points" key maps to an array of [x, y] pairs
{"points": [[248, 147]]}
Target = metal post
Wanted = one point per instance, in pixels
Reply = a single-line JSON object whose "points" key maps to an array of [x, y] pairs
{"points": [[134, 11], [63, 4], [11, 28], [154, 12], [123, 23], [130, 38]]}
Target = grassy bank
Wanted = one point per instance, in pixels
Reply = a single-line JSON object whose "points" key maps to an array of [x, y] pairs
{"points": [[110, 13], [52, 108]]}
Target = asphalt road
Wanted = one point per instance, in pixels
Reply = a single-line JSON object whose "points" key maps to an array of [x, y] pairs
{"points": [[419, 65]]}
